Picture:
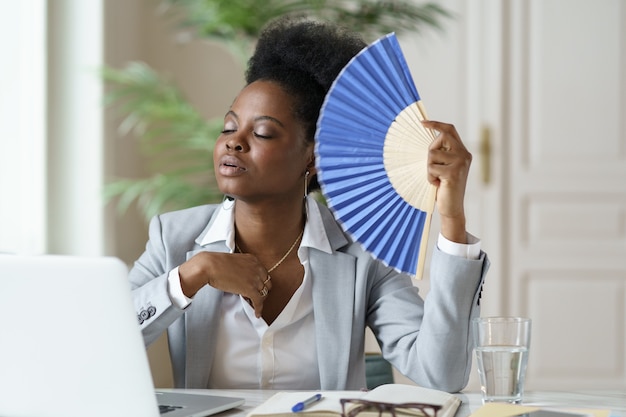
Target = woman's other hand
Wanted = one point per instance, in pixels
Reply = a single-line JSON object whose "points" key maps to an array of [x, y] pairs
{"points": [[236, 273]]}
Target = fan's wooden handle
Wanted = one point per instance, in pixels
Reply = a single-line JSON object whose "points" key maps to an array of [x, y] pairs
{"points": [[485, 154]]}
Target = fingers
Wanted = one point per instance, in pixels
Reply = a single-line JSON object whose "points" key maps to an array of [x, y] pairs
{"points": [[257, 296], [237, 273], [248, 278], [448, 169], [448, 135], [266, 287], [448, 159]]}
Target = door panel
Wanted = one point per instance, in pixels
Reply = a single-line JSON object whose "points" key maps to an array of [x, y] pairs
{"points": [[577, 355], [567, 188]]}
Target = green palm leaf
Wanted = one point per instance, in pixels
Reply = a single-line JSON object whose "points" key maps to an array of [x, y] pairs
{"points": [[176, 139]]}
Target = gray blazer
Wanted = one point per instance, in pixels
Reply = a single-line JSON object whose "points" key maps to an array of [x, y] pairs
{"points": [[429, 342]]}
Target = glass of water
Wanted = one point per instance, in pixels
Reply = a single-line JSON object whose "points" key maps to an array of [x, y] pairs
{"points": [[501, 348]]}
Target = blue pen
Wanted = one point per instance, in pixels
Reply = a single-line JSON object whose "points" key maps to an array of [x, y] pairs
{"points": [[304, 404]]}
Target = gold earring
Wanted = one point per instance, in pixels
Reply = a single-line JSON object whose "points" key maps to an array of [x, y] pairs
{"points": [[306, 183]]}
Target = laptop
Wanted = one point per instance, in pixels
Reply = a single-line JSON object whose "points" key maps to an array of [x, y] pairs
{"points": [[70, 344]]}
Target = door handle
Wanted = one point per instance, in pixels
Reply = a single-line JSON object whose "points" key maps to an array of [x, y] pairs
{"points": [[485, 154]]}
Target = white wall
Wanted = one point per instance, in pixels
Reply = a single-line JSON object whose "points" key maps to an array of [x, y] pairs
{"points": [[75, 214], [22, 127], [51, 128]]}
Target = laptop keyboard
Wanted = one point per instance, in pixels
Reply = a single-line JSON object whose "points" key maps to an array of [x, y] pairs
{"points": [[167, 408]]}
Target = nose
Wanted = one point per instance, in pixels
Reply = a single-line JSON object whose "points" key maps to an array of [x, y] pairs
{"points": [[235, 143], [234, 146]]}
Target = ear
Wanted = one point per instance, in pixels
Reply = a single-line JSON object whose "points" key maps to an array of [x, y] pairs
{"points": [[311, 167]]}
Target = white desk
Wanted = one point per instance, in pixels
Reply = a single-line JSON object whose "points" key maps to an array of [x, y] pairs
{"points": [[613, 400]]}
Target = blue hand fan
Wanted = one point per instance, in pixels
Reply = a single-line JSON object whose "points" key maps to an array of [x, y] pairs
{"points": [[372, 151]]}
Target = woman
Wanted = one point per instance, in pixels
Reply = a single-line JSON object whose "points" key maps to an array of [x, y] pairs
{"points": [[265, 290]]}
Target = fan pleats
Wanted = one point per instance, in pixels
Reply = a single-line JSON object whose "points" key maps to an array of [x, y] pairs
{"points": [[371, 156]]}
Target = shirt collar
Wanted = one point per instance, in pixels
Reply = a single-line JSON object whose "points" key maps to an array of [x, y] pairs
{"points": [[223, 227]]}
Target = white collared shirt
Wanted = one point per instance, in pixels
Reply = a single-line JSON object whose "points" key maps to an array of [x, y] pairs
{"points": [[249, 353]]}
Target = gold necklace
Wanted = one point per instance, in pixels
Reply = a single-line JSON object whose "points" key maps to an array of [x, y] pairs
{"points": [[280, 261]]}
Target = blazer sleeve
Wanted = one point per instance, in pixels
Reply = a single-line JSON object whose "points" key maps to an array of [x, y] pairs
{"points": [[148, 279], [429, 341]]}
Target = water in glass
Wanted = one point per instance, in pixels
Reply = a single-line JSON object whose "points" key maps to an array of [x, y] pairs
{"points": [[501, 370]]}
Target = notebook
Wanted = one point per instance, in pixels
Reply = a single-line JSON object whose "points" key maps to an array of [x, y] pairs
{"points": [[70, 344], [328, 403]]}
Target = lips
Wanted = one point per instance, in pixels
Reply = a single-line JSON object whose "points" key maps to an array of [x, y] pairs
{"points": [[230, 165]]}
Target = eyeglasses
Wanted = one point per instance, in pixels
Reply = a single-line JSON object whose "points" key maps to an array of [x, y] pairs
{"points": [[354, 407]]}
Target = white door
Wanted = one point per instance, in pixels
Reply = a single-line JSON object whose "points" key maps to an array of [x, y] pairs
{"points": [[547, 79], [565, 233]]}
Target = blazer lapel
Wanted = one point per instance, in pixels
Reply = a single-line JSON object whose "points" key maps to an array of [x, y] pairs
{"points": [[333, 303], [199, 351]]}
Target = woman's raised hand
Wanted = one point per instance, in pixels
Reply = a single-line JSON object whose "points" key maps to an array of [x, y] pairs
{"points": [[448, 168]]}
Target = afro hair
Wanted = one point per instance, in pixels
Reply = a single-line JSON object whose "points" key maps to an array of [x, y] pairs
{"points": [[304, 57]]}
